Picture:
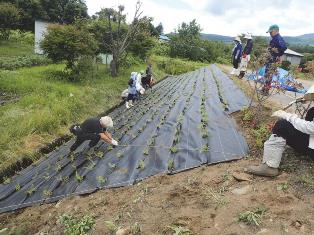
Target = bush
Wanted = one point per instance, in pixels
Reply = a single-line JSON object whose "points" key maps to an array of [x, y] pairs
{"points": [[20, 36], [9, 18], [130, 60], [175, 66], [162, 49], [69, 43], [10, 63], [84, 68]]}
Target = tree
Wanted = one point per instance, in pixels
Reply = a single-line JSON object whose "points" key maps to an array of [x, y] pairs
{"points": [[9, 18], [186, 42], [65, 11], [67, 42], [160, 29], [119, 40], [57, 11]]}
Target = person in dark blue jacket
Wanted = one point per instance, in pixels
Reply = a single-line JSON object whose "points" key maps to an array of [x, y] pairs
{"points": [[236, 55], [276, 49], [246, 55]]}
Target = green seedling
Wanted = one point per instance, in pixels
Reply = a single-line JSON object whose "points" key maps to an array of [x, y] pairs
{"points": [[78, 178], [6, 180], [111, 226], [99, 154], [91, 166], [170, 164], [136, 228], [58, 167], [72, 157], [283, 186], [31, 190], [47, 176], [101, 179], [17, 187], [112, 165], [110, 147], [253, 217], [146, 152], [141, 165], [65, 179], [179, 230], [205, 148], [174, 149], [119, 155], [47, 193]]}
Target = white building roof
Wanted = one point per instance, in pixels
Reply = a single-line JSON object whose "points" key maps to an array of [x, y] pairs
{"points": [[291, 52]]}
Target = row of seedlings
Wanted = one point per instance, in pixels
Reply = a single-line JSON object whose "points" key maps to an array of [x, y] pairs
{"points": [[151, 142], [178, 129], [204, 119], [223, 102]]}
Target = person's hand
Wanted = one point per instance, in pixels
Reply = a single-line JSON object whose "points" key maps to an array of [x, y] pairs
{"points": [[280, 114], [114, 142], [244, 56]]}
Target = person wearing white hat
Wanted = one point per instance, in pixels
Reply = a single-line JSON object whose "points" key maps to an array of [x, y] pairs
{"points": [[246, 55], [93, 129], [236, 55], [132, 92]]}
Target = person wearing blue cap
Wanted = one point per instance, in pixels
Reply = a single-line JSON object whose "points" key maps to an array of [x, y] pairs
{"points": [[276, 49]]}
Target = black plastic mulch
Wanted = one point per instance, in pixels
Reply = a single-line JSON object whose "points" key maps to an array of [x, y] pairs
{"points": [[182, 123]]}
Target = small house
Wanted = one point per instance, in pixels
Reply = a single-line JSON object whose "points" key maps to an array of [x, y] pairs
{"points": [[293, 57]]}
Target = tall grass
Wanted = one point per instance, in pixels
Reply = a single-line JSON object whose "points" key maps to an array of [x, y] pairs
{"points": [[175, 66]]}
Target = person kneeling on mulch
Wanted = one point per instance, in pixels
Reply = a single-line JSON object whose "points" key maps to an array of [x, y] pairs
{"points": [[93, 129], [289, 130]]}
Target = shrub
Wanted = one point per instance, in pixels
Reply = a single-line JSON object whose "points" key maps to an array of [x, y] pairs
{"points": [[10, 63], [130, 60], [161, 49], [9, 18], [75, 226], [175, 66], [20, 36], [69, 43]]}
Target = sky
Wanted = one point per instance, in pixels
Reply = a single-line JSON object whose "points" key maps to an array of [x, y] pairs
{"points": [[224, 17]]}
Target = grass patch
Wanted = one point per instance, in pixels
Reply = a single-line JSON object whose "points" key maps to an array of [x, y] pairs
{"points": [[75, 226], [14, 48], [254, 216], [175, 66]]}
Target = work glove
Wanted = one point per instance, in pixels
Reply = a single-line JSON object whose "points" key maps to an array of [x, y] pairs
{"points": [[114, 142], [281, 114]]}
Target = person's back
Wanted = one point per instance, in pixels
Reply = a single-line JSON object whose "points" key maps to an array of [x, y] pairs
{"points": [[248, 47], [92, 125]]}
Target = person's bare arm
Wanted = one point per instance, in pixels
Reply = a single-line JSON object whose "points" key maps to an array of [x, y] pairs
{"points": [[108, 135], [105, 138]]}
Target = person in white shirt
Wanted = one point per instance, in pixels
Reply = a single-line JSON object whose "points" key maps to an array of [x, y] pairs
{"points": [[288, 130]]}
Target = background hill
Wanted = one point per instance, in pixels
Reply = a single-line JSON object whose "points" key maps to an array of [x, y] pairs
{"points": [[306, 39]]}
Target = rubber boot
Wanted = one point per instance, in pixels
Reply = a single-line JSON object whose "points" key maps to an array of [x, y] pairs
{"points": [[232, 71], [273, 149], [127, 105], [241, 75], [263, 170]]}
